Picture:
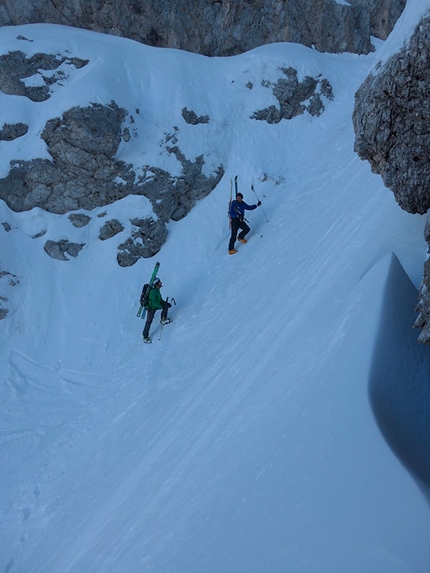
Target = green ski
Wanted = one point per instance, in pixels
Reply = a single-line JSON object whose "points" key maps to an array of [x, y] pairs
{"points": [[145, 292]]}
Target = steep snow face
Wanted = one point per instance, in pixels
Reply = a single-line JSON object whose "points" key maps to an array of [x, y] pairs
{"points": [[244, 439]]}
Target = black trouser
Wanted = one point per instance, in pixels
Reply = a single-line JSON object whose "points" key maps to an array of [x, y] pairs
{"points": [[237, 224], [150, 317]]}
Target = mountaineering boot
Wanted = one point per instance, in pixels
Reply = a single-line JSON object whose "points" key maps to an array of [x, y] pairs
{"points": [[164, 321], [147, 340], [232, 252], [244, 241]]}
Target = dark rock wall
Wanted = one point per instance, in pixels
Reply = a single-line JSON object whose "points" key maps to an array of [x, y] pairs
{"points": [[392, 122], [392, 131], [382, 15], [220, 27]]}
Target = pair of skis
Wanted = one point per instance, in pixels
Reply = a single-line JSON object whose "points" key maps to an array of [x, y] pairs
{"points": [[231, 198], [142, 311], [231, 189]]}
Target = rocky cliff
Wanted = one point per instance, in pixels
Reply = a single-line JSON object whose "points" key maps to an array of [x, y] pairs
{"points": [[78, 164], [82, 170], [392, 128], [220, 27]]}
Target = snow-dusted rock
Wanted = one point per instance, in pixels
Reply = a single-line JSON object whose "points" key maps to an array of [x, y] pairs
{"points": [[84, 174], [110, 229], [11, 131], [7, 280], [44, 69], [79, 219], [392, 131], [295, 97], [192, 118], [59, 249], [145, 241], [392, 122], [222, 27]]}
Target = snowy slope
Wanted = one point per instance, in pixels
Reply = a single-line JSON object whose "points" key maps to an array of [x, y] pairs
{"points": [[244, 440]]}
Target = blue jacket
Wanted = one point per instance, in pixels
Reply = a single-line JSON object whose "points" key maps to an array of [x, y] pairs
{"points": [[237, 210]]}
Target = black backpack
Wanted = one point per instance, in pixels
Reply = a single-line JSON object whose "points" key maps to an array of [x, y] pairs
{"points": [[144, 297]]}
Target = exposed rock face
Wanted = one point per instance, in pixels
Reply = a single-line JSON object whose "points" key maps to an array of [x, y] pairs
{"points": [[79, 220], [82, 144], [382, 15], [59, 249], [192, 118], [45, 70], [144, 241], [392, 122], [11, 131], [392, 129], [84, 174], [7, 281], [423, 307], [220, 27], [295, 97], [110, 229]]}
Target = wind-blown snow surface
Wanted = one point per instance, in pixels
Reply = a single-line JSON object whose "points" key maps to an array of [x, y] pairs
{"points": [[244, 440]]}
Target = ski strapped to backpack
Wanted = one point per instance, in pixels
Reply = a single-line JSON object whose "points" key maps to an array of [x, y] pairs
{"points": [[231, 198], [145, 292]]}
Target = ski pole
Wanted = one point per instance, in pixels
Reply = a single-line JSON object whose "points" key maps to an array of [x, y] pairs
{"points": [[162, 324], [172, 301], [252, 187]]}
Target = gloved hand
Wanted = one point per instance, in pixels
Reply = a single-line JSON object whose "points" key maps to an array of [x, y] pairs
{"points": [[259, 203]]}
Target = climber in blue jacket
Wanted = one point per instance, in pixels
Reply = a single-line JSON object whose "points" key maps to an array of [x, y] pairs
{"points": [[237, 215]]}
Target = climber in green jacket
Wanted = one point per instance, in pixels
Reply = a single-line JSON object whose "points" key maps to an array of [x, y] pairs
{"points": [[155, 302]]}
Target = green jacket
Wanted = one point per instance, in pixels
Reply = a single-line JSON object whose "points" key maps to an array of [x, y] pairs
{"points": [[155, 300]]}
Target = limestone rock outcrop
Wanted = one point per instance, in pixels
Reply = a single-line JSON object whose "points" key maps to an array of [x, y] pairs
{"points": [[79, 220], [7, 282], [84, 174], [392, 122], [295, 97], [60, 249], [45, 69], [220, 27], [147, 234], [84, 170], [110, 229], [392, 131], [11, 131]]}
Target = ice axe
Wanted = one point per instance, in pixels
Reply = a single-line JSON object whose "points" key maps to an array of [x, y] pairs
{"points": [[252, 187]]}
